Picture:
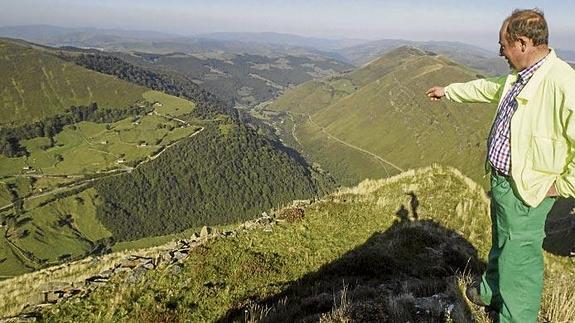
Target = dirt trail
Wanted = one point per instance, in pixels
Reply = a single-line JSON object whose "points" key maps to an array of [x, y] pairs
{"points": [[354, 146]]}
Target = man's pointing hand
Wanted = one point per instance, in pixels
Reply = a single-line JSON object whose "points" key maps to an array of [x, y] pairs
{"points": [[435, 93]]}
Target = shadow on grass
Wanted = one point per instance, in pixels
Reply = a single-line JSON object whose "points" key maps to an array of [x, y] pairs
{"points": [[407, 273]]}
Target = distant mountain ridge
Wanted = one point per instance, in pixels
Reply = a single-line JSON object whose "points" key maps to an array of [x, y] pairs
{"points": [[356, 51], [51, 34], [323, 44]]}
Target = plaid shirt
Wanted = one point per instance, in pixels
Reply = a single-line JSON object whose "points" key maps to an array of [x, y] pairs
{"points": [[499, 144]]}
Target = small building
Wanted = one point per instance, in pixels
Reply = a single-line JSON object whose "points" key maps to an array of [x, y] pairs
{"points": [[120, 161]]}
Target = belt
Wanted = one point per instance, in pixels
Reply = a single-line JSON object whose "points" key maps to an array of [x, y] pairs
{"points": [[498, 172]]}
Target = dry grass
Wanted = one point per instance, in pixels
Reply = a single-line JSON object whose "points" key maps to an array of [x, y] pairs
{"points": [[339, 312], [558, 302], [476, 311], [13, 298], [370, 185]]}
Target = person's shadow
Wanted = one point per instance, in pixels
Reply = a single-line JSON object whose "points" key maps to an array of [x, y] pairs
{"points": [[406, 273]]}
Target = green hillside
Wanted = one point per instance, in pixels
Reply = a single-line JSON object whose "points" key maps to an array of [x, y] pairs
{"points": [[392, 250], [480, 59], [37, 85], [380, 112], [223, 175], [125, 162]]}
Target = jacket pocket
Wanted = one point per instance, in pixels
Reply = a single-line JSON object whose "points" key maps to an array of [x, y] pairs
{"points": [[549, 155]]}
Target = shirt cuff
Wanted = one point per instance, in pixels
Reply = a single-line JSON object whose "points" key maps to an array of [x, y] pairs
{"points": [[446, 90]]}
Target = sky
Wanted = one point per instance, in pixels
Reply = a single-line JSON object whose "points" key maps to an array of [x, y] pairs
{"points": [[473, 22]]}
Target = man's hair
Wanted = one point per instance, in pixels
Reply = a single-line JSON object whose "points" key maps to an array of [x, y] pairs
{"points": [[528, 23]]}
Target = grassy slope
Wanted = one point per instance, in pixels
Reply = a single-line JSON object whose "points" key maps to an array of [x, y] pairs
{"points": [[88, 147], [352, 240], [37, 85], [387, 113]]}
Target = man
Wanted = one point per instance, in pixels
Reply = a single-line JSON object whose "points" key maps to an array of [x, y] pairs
{"points": [[530, 156]]}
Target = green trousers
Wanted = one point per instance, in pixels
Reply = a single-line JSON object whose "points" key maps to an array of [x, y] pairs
{"points": [[513, 281]]}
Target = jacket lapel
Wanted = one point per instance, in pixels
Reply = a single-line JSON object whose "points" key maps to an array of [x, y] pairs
{"points": [[531, 87]]}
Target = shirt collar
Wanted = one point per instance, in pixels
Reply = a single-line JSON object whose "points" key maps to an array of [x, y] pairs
{"points": [[526, 73]]}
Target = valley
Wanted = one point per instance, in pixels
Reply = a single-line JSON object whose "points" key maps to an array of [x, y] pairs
{"points": [[63, 170]]}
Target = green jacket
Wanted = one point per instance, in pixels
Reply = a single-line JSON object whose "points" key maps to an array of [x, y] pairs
{"points": [[542, 128]]}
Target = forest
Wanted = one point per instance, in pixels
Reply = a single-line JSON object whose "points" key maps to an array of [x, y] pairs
{"points": [[224, 175], [208, 105]]}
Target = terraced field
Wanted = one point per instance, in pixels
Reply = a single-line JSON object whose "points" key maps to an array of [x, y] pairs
{"points": [[54, 214], [88, 148]]}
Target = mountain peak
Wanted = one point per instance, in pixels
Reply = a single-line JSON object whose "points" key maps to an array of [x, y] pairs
{"points": [[407, 50], [402, 52]]}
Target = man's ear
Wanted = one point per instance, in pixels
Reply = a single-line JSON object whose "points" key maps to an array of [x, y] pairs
{"points": [[524, 42]]}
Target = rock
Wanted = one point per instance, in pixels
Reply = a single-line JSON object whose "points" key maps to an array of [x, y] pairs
{"points": [[107, 273], [176, 269], [136, 275], [53, 297], [97, 279], [149, 265], [179, 255], [229, 234], [264, 220], [129, 264], [185, 250], [50, 286], [249, 225], [205, 232], [74, 291], [165, 257], [121, 270], [136, 257]]}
